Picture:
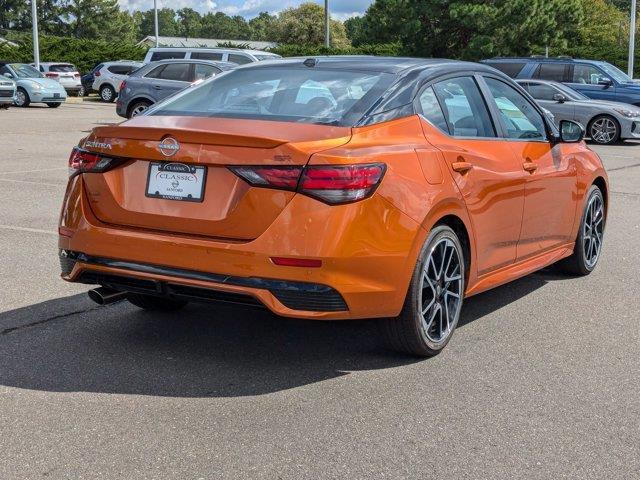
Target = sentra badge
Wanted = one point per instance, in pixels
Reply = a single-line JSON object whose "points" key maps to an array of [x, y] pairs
{"points": [[94, 144]]}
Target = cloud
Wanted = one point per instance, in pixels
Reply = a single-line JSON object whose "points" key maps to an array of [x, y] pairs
{"points": [[340, 9]]}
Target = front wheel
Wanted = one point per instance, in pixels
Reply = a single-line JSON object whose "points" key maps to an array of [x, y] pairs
{"points": [[432, 308], [588, 247], [604, 130], [22, 98]]}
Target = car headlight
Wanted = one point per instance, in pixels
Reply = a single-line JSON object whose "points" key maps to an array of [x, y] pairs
{"points": [[627, 112], [35, 85]]}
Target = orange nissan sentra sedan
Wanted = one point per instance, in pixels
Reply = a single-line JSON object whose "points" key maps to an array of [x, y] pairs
{"points": [[334, 188]]}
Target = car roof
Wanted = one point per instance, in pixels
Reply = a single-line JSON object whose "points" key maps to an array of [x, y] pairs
{"points": [[540, 59], [218, 49], [56, 63], [538, 80], [217, 63], [121, 62]]}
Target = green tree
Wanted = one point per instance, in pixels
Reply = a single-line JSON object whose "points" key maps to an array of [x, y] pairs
{"points": [[305, 25], [222, 26], [263, 27], [189, 22], [355, 30], [97, 19], [472, 28], [167, 24]]}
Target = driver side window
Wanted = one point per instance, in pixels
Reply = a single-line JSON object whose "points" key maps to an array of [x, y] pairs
{"points": [[521, 120]]}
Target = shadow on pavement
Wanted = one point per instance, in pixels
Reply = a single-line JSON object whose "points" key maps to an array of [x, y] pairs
{"points": [[69, 345]]}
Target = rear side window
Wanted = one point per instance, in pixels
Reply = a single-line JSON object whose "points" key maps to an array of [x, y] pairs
{"points": [[120, 69], [307, 95], [239, 59], [558, 72], [431, 109], [202, 71], [62, 68], [540, 91], [511, 69], [166, 55], [206, 56], [464, 108], [171, 71], [587, 74], [520, 118]]}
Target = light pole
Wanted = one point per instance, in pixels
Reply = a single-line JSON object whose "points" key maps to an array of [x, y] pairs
{"points": [[155, 16], [34, 22], [632, 37], [327, 40]]}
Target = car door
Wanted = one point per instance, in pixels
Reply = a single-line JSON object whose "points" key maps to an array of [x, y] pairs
{"points": [[169, 78], [549, 206], [483, 167], [589, 80], [544, 94]]}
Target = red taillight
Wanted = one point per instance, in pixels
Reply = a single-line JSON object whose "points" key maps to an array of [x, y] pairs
{"points": [[123, 84], [97, 74], [52, 75], [76, 75], [81, 161], [285, 178], [332, 184]]}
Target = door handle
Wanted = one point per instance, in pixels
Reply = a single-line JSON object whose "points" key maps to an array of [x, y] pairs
{"points": [[157, 87], [530, 166], [461, 166]]}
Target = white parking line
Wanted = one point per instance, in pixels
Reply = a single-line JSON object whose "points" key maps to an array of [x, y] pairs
{"points": [[26, 229], [58, 185], [34, 171]]}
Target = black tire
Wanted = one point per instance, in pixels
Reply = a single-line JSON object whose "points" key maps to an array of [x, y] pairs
{"points": [[135, 107], [27, 100], [54, 104], [107, 93], [156, 304], [608, 139], [577, 263], [406, 333]]}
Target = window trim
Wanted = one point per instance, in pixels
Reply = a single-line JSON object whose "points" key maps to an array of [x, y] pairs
{"points": [[460, 74], [495, 111]]}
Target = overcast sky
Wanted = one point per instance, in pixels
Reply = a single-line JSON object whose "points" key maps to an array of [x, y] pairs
{"points": [[340, 9]]}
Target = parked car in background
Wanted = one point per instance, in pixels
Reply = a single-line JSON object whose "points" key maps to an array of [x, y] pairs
{"points": [[32, 86], [65, 73], [605, 122], [88, 78], [7, 92], [594, 79], [158, 80], [234, 55], [109, 76]]}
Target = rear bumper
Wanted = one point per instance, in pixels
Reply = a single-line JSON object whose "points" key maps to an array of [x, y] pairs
{"points": [[368, 251]]}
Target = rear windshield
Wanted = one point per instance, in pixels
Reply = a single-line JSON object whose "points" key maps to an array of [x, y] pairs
{"points": [[62, 68], [307, 95]]}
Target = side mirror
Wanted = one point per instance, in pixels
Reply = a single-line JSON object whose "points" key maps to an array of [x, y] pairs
{"points": [[560, 98], [8, 75], [571, 132], [605, 81]]}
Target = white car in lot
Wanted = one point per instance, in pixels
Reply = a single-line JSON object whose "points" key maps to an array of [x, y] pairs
{"points": [[234, 55], [65, 73], [7, 92], [108, 78]]}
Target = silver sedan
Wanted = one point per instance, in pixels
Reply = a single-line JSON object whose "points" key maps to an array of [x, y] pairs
{"points": [[605, 122]]}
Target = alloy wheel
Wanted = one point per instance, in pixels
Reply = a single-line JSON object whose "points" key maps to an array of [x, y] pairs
{"points": [[604, 130], [441, 291], [21, 98], [593, 230], [106, 94], [138, 109]]}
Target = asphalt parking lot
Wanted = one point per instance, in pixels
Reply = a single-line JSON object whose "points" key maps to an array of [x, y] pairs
{"points": [[541, 380]]}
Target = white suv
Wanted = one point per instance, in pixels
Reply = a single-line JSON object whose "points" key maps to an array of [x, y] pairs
{"points": [[108, 78], [233, 55], [65, 73]]}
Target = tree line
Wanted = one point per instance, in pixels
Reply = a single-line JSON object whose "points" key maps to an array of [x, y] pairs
{"points": [[466, 29]]}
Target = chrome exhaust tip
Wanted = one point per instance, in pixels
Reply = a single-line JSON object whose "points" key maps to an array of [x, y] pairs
{"points": [[105, 296]]}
